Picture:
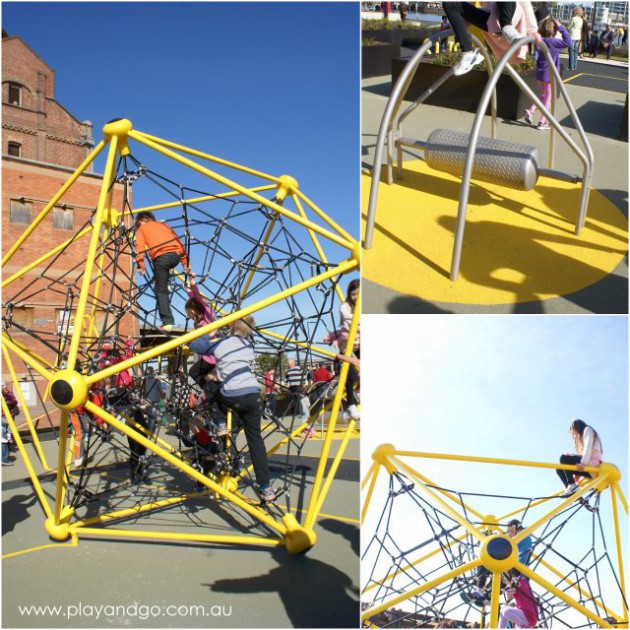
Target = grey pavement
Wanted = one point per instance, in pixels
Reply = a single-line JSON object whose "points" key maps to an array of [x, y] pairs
{"points": [[601, 112], [115, 582]]}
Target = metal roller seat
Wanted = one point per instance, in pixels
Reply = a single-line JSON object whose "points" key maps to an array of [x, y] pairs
{"points": [[496, 161]]}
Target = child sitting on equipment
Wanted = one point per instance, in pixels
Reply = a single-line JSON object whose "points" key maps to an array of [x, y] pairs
{"points": [[589, 453], [240, 391], [503, 22], [525, 613], [548, 30], [166, 252]]}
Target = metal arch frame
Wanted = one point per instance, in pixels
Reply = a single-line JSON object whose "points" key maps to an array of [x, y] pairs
{"points": [[586, 158], [389, 458], [386, 134], [59, 515], [394, 103]]}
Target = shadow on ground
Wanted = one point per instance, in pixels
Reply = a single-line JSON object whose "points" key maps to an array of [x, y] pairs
{"points": [[314, 594]]}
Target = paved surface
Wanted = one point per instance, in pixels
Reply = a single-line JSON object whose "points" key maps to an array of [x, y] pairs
{"points": [[600, 111], [116, 583]]}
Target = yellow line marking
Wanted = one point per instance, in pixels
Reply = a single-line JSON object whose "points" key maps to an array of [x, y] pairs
{"points": [[581, 74], [346, 519], [73, 543], [600, 76], [588, 87]]}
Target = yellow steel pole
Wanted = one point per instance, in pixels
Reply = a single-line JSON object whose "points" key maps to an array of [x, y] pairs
{"points": [[261, 250], [24, 270], [344, 267], [318, 247], [333, 469], [133, 511], [492, 460], [368, 498], [445, 506], [191, 472], [622, 579], [343, 375], [211, 158], [562, 506], [245, 191], [108, 178], [25, 349], [390, 603], [621, 497], [27, 461], [584, 594], [51, 204], [197, 200], [62, 478], [428, 482], [27, 358], [275, 335], [153, 535], [494, 599], [97, 286], [27, 415], [322, 215], [410, 565], [563, 596]]}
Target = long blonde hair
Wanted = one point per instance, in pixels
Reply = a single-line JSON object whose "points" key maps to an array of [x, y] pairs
{"points": [[578, 11], [243, 327]]}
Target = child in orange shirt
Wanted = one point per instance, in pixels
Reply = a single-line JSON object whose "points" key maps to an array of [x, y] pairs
{"points": [[166, 252]]}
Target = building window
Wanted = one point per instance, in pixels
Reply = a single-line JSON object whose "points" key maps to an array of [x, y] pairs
{"points": [[15, 149], [15, 94], [22, 317], [64, 320], [21, 211], [63, 218]]}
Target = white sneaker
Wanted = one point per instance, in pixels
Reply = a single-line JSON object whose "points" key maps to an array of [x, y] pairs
{"points": [[510, 33], [468, 61], [79, 462], [572, 489], [528, 117], [354, 412]]}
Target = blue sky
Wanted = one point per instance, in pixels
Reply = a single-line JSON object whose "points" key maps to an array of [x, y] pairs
{"points": [[493, 386], [274, 86], [497, 386]]}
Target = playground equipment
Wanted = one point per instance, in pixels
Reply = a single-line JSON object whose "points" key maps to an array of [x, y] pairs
{"points": [[486, 159], [252, 254], [426, 548]]}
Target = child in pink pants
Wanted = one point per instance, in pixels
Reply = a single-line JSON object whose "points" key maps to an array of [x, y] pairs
{"points": [[549, 29]]}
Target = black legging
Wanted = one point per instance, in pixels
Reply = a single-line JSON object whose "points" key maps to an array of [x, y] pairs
{"points": [[566, 476], [461, 13]]}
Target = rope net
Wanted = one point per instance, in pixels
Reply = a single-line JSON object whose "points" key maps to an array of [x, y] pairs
{"points": [[243, 252], [414, 542]]}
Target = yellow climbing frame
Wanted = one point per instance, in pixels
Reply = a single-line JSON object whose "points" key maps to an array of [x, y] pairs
{"points": [[606, 477], [61, 522]]}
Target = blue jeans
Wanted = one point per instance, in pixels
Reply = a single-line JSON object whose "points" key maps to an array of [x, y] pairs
{"points": [[5, 453], [573, 54]]}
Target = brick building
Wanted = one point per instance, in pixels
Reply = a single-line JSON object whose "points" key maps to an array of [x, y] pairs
{"points": [[42, 145]]}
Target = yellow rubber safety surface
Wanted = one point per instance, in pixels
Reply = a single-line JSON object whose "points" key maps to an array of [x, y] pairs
{"points": [[518, 246]]}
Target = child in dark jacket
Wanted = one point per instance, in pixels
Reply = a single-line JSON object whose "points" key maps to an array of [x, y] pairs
{"points": [[548, 30]]}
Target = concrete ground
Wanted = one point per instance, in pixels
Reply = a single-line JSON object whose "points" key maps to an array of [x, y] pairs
{"points": [[112, 583], [598, 91]]}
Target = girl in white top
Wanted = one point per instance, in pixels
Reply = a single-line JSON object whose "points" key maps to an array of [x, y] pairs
{"points": [[575, 31], [589, 453]]}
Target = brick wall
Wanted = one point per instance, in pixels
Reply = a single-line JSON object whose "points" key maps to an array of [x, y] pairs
{"points": [[45, 129], [53, 144]]}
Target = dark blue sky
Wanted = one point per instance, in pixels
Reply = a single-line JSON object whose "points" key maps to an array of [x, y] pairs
{"points": [[274, 86]]}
